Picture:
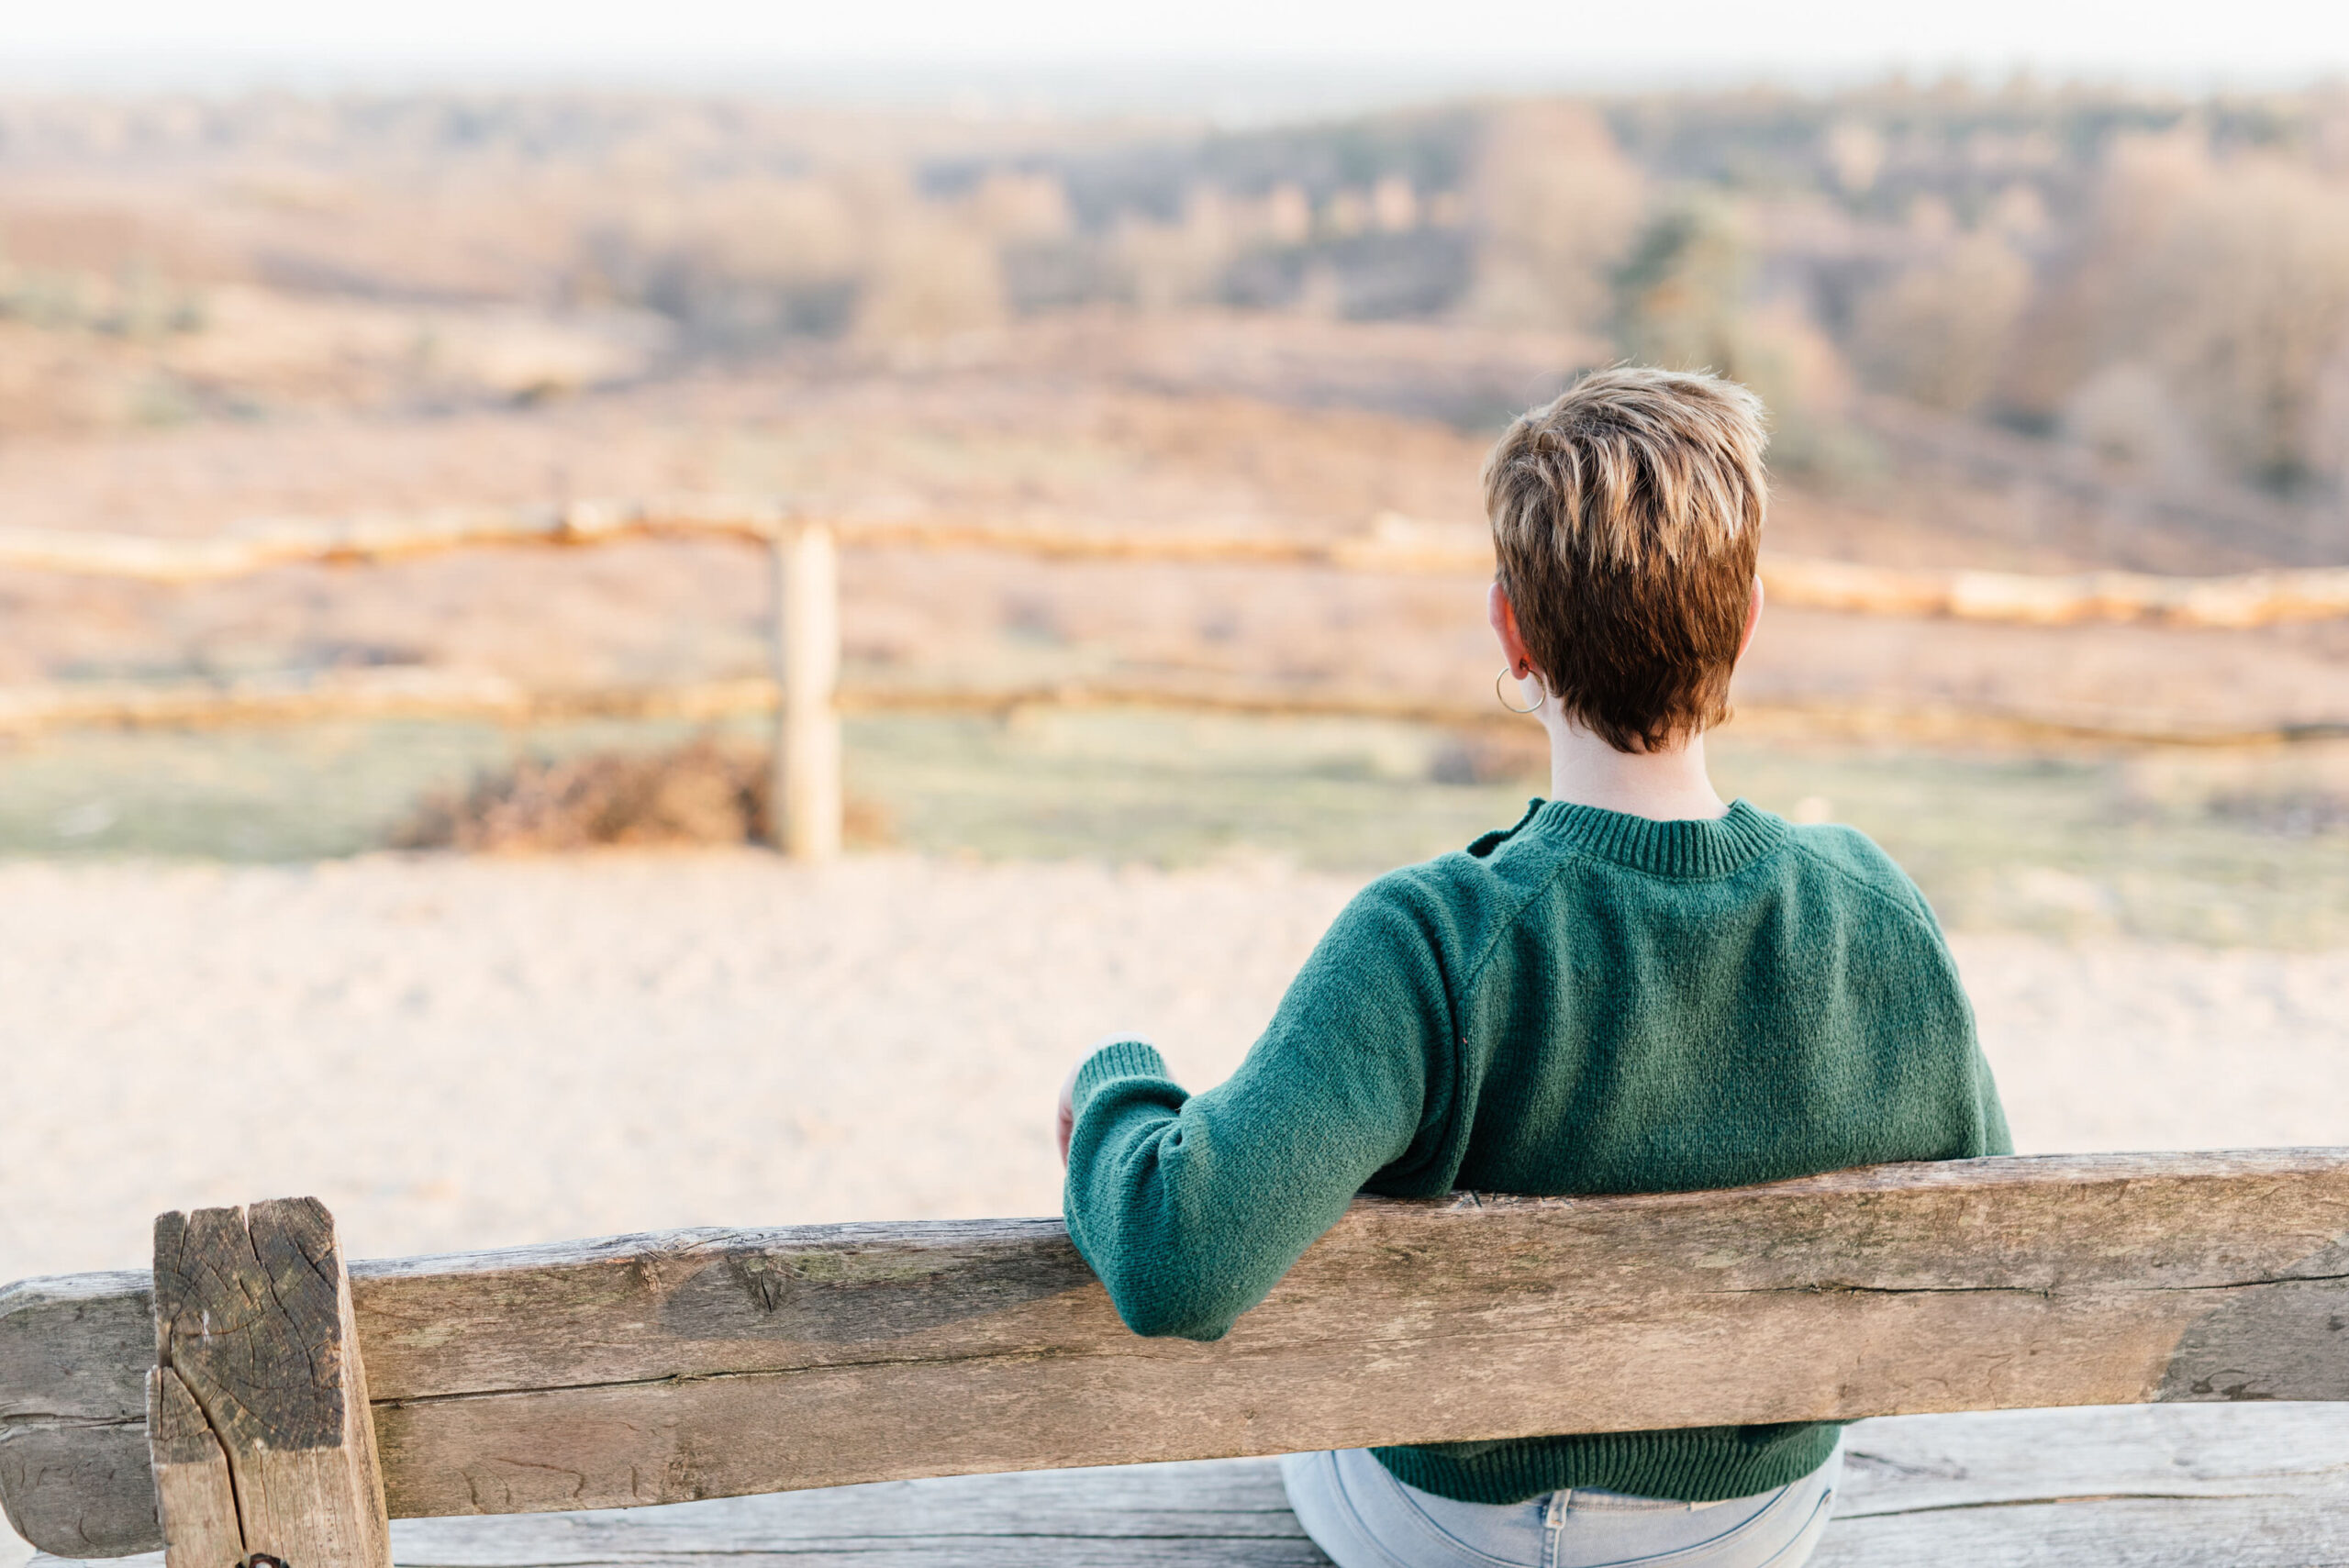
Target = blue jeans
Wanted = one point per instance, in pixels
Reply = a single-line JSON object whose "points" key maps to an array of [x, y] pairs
{"points": [[1363, 1518]]}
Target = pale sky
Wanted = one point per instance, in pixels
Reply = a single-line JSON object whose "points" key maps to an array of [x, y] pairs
{"points": [[1497, 43]]}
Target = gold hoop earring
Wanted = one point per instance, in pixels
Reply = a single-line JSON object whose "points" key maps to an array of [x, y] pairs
{"points": [[1503, 675]]}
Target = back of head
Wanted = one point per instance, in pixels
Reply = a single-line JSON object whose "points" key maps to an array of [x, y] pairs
{"points": [[1626, 519]]}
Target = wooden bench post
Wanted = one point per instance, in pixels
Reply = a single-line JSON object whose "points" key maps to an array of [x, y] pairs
{"points": [[258, 1422]]}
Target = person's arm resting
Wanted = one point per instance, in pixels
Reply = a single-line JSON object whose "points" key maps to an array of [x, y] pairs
{"points": [[1190, 1208]]}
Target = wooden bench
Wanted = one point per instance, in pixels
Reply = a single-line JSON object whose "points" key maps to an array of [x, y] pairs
{"points": [[221, 1408]]}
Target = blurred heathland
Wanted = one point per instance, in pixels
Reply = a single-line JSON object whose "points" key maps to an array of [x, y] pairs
{"points": [[2028, 329], [2161, 287]]}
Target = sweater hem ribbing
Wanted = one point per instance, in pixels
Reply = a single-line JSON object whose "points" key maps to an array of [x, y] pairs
{"points": [[1704, 1464]]}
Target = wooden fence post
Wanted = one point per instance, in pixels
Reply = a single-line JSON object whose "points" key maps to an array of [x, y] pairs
{"points": [[806, 651], [258, 1423]]}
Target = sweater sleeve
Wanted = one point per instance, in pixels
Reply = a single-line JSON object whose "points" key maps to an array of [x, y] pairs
{"points": [[1190, 1208]]}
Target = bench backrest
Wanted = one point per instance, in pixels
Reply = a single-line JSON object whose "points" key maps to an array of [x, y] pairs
{"points": [[653, 1369]]}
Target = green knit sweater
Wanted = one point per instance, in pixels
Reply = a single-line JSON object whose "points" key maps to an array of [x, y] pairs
{"points": [[1586, 1003]]}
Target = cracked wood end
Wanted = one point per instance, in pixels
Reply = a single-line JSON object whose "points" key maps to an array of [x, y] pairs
{"points": [[259, 1366], [195, 1502]]}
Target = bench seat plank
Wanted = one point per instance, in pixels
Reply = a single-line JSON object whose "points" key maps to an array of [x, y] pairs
{"points": [[2162, 1486], [2147, 1487]]}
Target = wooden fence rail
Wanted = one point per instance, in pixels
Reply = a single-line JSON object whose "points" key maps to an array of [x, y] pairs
{"points": [[379, 695], [804, 611], [2250, 599], [653, 1369]]}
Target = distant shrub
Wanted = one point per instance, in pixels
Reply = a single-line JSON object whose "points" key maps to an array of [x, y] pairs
{"points": [[1514, 756], [1558, 206], [1940, 331], [2207, 308], [2126, 416], [1685, 299], [701, 792], [2293, 814], [1681, 292]]}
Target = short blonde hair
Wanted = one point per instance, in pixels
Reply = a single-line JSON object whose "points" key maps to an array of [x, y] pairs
{"points": [[1626, 519]]}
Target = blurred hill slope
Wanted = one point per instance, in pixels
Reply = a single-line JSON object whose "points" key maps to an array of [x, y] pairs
{"points": [[2154, 289], [2031, 330]]}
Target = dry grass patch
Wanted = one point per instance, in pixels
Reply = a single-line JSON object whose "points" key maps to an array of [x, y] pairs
{"points": [[700, 793]]}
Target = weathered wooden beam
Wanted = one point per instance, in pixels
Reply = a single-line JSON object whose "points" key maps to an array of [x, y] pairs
{"points": [[655, 1369], [260, 1360], [74, 1353], [2154, 1487], [2249, 1487], [2246, 1485]]}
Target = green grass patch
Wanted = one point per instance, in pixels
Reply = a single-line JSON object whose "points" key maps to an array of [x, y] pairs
{"points": [[2226, 848]]}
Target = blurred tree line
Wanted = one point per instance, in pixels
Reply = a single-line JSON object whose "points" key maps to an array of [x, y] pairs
{"points": [[2158, 286]]}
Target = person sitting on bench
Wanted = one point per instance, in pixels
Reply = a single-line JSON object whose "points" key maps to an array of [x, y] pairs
{"points": [[1636, 988]]}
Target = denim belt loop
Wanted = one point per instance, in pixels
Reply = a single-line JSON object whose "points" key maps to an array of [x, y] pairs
{"points": [[1553, 1519]]}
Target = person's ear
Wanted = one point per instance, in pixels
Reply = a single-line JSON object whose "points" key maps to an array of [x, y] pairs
{"points": [[1752, 617], [1503, 617]]}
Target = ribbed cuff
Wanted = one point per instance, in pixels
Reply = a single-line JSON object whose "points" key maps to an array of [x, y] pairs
{"points": [[1119, 1059]]}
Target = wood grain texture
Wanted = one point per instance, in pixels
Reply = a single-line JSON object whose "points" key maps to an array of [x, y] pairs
{"points": [[74, 1358], [2154, 1486], [820, 1360], [659, 1369], [195, 1503], [2157, 1486], [253, 1318]]}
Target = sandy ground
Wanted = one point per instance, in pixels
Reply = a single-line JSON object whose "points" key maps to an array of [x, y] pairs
{"points": [[464, 1053]]}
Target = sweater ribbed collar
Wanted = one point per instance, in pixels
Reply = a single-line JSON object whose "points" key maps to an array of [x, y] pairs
{"points": [[1699, 848]]}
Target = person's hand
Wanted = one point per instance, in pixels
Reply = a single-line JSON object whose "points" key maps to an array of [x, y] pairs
{"points": [[1068, 1109]]}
